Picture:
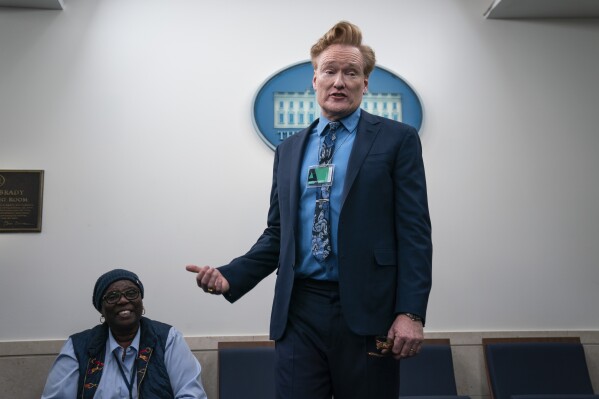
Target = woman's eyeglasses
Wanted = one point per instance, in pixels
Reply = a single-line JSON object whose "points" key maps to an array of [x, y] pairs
{"points": [[115, 296]]}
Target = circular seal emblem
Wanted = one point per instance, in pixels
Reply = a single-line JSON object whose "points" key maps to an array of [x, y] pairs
{"points": [[286, 102], [2, 180]]}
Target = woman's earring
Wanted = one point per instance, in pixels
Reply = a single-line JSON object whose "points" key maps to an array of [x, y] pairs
{"points": [[102, 319], [143, 310]]}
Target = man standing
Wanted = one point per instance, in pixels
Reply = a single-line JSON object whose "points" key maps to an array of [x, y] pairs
{"points": [[349, 232]]}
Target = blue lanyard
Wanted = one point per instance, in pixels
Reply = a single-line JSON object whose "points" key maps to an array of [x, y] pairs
{"points": [[133, 369]]}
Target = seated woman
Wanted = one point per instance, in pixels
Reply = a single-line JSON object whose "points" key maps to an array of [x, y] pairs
{"points": [[127, 356]]}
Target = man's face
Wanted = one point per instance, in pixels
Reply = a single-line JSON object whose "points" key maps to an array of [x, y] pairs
{"points": [[339, 80]]}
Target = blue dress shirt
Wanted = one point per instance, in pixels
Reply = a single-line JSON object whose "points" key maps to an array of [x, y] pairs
{"points": [[183, 369], [308, 266]]}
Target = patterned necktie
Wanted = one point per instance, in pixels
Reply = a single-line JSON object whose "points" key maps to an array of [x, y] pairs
{"points": [[321, 232]]}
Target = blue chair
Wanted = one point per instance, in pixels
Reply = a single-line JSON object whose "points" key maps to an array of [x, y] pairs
{"points": [[430, 374], [246, 370], [537, 368]]}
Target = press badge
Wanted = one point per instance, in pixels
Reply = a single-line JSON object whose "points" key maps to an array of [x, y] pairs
{"points": [[320, 175]]}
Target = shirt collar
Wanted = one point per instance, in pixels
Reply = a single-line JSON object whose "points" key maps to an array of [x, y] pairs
{"points": [[112, 344], [349, 122]]}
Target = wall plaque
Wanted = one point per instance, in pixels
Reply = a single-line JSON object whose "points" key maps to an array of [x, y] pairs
{"points": [[21, 194]]}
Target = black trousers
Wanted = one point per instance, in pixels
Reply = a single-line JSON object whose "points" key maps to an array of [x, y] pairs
{"points": [[320, 357]]}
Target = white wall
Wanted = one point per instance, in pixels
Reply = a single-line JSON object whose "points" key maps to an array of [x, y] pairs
{"points": [[129, 105]]}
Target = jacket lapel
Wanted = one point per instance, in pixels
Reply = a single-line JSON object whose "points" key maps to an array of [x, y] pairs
{"points": [[368, 129], [295, 163], [95, 364], [147, 343]]}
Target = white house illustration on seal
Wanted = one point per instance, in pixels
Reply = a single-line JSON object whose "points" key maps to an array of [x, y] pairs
{"points": [[293, 110]]}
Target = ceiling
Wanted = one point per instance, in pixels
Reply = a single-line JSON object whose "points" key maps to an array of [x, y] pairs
{"points": [[46, 4], [508, 9], [499, 9]]}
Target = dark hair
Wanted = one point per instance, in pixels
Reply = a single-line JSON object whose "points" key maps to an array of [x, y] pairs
{"points": [[344, 33]]}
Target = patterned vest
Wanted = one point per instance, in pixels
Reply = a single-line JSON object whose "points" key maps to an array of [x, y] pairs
{"points": [[152, 377]]}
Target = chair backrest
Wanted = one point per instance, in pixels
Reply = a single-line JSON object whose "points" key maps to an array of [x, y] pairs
{"points": [[430, 373], [246, 370], [529, 366]]}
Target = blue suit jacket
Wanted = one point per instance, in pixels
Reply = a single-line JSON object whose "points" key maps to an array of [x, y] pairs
{"points": [[384, 233]]}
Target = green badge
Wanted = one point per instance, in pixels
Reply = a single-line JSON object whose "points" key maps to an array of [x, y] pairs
{"points": [[320, 175]]}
